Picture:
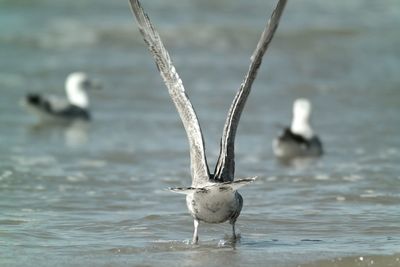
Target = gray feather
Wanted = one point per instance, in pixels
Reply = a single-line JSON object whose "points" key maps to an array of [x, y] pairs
{"points": [[225, 168], [199, 167]]}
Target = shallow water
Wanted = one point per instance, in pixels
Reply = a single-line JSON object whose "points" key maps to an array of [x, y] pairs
{"points": [[94, 194]]}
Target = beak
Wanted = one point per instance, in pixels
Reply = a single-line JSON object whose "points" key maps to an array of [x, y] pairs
{"points": [[95, 85]]}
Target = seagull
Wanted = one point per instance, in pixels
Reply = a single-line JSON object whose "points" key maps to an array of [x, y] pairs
{"points": [[212, 198], [76, 106], [299, 139]]}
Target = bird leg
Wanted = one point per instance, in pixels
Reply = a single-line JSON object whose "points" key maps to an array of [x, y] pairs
{"points": [[195, 233], [233, 231]]}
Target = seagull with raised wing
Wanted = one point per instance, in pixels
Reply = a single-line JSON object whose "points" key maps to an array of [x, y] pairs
{"points": [[298, 140], [212, 198], [76, 106]]}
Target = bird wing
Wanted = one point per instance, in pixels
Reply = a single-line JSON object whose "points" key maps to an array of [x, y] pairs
{"points": [[199, 168], [45, 103], [225, 168], [57, 103]]}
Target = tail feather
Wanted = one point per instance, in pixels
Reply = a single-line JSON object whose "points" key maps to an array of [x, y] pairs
{"points": [[226, 186], [184, 190]]}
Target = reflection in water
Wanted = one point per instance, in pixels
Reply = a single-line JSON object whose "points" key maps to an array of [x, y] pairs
{"points": [[74, 133], [77, 133], [209, 255], [298, 162]]}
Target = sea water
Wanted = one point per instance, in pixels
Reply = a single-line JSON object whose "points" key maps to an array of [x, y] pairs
{"points": [[94, 194]]}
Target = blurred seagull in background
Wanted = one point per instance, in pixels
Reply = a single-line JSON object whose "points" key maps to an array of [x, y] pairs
{"points": [[212, 198], [76, 106], [299, 140]]}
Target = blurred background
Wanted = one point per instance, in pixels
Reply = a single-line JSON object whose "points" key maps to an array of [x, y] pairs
{"points": [[93, 194]]}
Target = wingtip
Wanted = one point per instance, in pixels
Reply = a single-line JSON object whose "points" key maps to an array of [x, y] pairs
{"points": [[135, 7], [133, 2], [33, 98]]}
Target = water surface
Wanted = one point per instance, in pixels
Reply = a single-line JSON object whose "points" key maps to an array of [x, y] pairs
{"points": [[94, 194]]}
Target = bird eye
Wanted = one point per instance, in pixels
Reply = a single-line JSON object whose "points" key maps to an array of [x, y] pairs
{"points": [[86, 84]]}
